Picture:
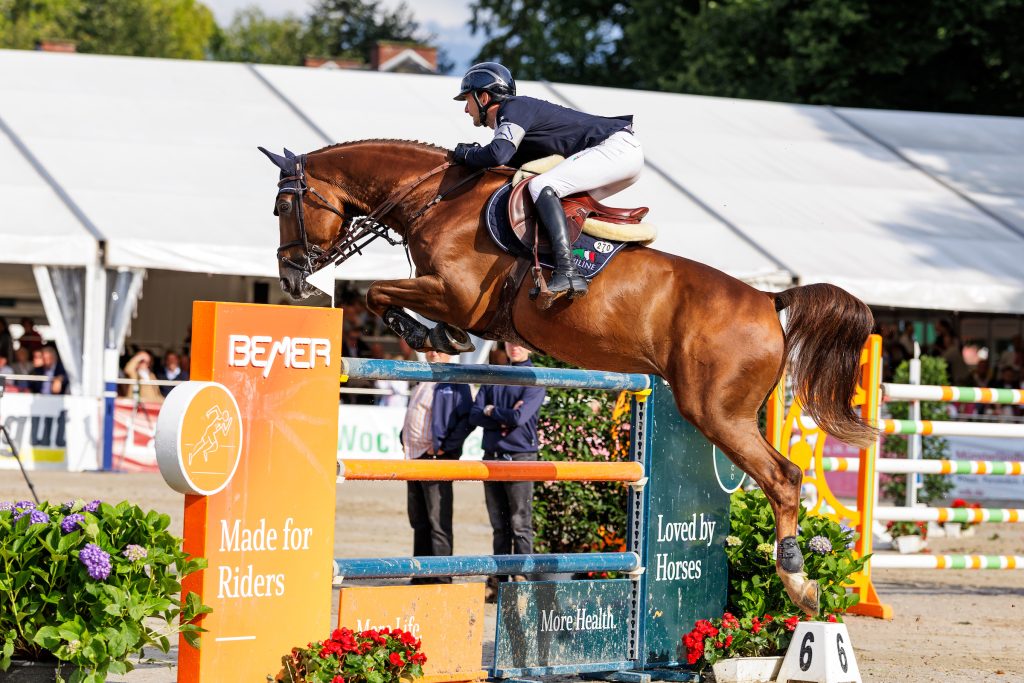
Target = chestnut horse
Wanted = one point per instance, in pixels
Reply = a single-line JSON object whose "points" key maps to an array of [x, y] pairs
{"points": [[716, 340]]}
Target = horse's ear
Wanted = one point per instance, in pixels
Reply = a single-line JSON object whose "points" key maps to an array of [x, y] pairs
{"points": [[288, 153], [286, 165]]}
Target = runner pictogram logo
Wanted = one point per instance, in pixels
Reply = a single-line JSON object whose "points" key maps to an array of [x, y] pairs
{"points": [[199, 438]]}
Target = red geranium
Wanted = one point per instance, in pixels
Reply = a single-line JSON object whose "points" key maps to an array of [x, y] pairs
{"points": [[350, 657]]}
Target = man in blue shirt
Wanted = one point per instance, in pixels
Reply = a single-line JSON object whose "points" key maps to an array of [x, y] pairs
{"points": [[602, 155], [509, 417], [436, 426]]}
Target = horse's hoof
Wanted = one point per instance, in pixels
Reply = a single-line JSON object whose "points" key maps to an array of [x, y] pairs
{"points": [[450, 340], [810, 599]]}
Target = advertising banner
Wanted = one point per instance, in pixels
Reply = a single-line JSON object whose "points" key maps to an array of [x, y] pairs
{"points": [[50, 432]]}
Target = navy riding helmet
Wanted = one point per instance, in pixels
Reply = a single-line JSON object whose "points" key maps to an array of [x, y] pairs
{"points": [[489, 77]]}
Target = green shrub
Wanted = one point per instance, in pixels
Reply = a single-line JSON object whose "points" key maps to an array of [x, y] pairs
{"points": [[79, 583], [580, 425], [755, 588], [936, 486]]}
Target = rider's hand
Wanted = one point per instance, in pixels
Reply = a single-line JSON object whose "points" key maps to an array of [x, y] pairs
{"points": [[462, 151]]}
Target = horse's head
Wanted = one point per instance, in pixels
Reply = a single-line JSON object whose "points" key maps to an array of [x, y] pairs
{"points": [[313, 216]]}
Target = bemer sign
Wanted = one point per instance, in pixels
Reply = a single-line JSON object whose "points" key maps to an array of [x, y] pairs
{"points": [[268, 531]]}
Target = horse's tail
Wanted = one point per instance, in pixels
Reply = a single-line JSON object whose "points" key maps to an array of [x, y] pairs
{"points": [[826, 329]]}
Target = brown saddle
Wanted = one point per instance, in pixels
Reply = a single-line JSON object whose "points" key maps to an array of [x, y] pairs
{"points": [[578, 208]]}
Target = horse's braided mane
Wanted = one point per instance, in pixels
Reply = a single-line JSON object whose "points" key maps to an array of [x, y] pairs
{"points": [[409, 143]]}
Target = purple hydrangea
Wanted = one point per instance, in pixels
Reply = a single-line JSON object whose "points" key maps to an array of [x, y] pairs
{"points": [[134, 552], [22, 508], [848, 531], [820, 545], [91, 507], [96, 561], [6, 505], [71, 522], [38, 517]]}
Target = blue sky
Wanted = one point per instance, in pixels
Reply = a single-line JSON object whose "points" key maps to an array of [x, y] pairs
{"points": [[444, 18]]}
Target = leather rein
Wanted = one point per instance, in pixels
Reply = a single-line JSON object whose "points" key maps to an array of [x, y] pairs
{"points": [[362, 230]]}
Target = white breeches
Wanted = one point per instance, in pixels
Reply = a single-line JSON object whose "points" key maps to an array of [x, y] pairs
{"points": [[602, 170]]}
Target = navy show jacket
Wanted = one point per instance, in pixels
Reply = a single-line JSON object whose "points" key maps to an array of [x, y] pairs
{"points": [[508, 429]]}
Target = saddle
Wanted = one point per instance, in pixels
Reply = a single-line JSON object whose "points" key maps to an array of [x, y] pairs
{"points": [[584, 214]]}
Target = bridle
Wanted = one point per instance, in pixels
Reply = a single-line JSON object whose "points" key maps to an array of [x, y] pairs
{"points": [[362, 229]]}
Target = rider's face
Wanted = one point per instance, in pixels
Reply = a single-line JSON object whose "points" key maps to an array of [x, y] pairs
{"points": [[474, 111]]}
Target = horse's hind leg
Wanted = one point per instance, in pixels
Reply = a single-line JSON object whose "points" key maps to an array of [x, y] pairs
{"points": [[426, 296], [780, 480]]}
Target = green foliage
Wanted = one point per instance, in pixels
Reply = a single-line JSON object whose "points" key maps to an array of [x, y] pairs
{"points": [[254, 37], [580, 516], [754, 586], [54, 608], [143, 28], [958, 55], [575, 41], [371, 656], [350, 28], [936, 486]]}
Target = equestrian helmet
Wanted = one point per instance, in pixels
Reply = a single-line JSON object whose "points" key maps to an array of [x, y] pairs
{"points": [[490, 77]]}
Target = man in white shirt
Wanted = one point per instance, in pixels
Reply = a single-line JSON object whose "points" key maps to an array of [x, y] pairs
{"points": [[436, 426]]}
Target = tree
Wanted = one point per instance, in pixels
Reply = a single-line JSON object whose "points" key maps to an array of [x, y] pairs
{"points": [[945, 55], [23, 22], [350, 28], [950, 55], [254, 37], [575, 41], [143, 28]]}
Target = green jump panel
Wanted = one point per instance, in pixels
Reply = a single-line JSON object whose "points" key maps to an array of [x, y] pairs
{"points": [[686, 520]]}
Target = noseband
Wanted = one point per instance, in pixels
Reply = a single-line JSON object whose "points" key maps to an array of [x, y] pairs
{"points": [[361, 229]]}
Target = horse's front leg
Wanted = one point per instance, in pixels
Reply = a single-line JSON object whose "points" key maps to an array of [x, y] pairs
{"points": [[426, 296]]}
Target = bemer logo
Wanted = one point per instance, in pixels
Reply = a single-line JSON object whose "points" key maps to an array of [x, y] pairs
{"points": [[261, 351]]}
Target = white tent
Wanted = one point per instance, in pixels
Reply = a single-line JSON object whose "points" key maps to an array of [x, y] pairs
{"points": [[124, 164]]}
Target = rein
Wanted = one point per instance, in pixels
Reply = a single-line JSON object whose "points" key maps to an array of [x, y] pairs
{"points": [[362, 229]]}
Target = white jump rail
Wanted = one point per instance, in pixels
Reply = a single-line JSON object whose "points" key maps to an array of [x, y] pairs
{"points": [[947, 561], [926, 392], [933, 428], [902, 466], [941, 515]]}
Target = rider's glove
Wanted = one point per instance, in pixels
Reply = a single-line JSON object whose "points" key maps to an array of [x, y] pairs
{"points": [[462, 151]]}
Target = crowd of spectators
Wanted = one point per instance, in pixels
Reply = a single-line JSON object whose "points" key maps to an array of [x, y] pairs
{"points": [[991, 370], [36, 367]]}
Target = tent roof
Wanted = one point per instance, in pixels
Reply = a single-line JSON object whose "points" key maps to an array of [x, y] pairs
{"points": [[160, 157]]}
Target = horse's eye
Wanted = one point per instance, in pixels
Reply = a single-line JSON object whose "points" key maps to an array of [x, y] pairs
{"points": [[284, 207]]}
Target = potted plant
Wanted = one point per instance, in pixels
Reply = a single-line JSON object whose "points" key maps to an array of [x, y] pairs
{"points": [[371, 656], [749, 647], [79, 583], [909, 537], [957, 529]]}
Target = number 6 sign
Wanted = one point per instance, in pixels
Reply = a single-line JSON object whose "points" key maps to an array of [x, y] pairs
{"points": [[820, 653]]}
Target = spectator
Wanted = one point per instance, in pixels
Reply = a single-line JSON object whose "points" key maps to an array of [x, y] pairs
{"points": [[171, 371], [27, 363], [947, 346], [53, 370], [509, 418], [980, 375], [1012, 357], [30, 338], [5, 367], [6, 342], [22, 364], [436, 426], [140, 367], [1008, 378]]}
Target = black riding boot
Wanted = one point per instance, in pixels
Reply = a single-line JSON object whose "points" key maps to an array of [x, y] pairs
{"points": [[566, 279]]}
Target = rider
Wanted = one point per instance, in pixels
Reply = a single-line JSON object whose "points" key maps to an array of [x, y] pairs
{"points": [[602, 155]]}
